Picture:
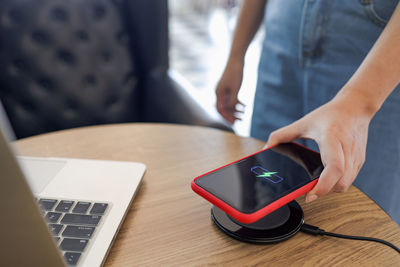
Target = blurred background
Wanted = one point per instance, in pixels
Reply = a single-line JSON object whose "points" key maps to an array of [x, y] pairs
{"points": [[200, 39], [73, 63]]}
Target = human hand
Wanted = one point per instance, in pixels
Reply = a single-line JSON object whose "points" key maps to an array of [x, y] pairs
{"points": [[340, 128], [227, 91]]}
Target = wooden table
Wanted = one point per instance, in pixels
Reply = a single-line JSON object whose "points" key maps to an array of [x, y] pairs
{"points": [[168, 224]]}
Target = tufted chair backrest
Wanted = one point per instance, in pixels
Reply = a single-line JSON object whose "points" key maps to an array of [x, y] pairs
{"points": [[66, 63]]}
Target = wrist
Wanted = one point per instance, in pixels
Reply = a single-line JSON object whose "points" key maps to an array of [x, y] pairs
{"points": [[235, 64], [360, 100], [236, 57]]}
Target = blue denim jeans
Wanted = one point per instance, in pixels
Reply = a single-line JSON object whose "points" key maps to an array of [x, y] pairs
{"points": [[311, 49]]}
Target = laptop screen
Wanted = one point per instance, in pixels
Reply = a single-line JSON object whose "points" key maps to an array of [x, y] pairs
{"points": [[5, 125]]}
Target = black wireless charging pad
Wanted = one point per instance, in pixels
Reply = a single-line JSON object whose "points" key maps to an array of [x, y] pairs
{"points": [[277, 226]]}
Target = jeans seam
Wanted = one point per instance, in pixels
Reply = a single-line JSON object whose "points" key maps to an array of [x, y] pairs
{"points": [[371, 14], [377, 17], [301, 35]]}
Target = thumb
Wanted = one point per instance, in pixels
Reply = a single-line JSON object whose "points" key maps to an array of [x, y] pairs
{"points": [[284, 135]]}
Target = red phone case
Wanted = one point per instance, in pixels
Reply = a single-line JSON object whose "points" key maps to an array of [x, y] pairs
{"points": [[255, 216]]}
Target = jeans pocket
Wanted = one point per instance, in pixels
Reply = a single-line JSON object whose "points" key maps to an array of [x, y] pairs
{"points": [[379, 11]]}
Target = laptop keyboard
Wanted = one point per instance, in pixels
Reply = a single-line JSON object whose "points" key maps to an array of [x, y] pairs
{"points": [[72, 223]]}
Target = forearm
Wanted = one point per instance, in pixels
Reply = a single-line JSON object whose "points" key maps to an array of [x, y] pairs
{"points": [[379, 73], [250, 18]]}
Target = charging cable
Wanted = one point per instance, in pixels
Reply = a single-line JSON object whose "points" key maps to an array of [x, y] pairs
{"points": [[313, 230]]}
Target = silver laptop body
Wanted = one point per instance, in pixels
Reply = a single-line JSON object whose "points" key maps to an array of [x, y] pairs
{"points": [[85, 200]]}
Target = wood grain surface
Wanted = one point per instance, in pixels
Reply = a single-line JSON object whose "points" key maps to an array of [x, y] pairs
{"points": [[169, 225]]}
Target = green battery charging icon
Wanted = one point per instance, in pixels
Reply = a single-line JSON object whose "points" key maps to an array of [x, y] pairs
{"points": [[260, 172]]}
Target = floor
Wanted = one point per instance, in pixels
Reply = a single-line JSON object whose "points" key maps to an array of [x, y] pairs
{"points": [[199, 46]]}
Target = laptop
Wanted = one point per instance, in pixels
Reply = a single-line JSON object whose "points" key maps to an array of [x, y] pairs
{"points": [[61, 211]]}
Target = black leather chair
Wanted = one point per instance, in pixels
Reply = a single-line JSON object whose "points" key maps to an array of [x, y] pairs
{"points": [[70, 63]]}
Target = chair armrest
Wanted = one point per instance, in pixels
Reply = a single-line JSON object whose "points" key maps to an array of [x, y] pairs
{"points": [[174, 101]]}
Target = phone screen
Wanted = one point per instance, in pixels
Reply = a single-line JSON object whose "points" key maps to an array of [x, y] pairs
{"points": [[254, 182]]}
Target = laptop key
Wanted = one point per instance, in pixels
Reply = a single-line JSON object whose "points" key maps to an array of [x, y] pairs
{"points": [[81, 219], [52, 217], [47, 204], [55, 228], [81, 207], [64, 205], [78, 231], [72, 257], [99, 208], [72, 244]]}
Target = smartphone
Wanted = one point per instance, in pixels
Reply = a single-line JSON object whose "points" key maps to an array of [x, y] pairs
{"points": [[252, 187]]}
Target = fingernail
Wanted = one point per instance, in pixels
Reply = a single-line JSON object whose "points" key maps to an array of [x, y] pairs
{"points": [[311, 198]]}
